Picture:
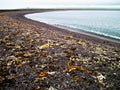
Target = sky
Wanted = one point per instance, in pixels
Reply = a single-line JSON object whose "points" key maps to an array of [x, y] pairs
{"points": [[17, 4]]}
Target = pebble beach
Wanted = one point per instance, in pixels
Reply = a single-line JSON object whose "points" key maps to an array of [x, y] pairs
{"points": [[38, 56]]}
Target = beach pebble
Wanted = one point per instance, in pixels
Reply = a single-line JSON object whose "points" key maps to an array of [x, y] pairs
{"points": [[52, 88], [101, 78]]}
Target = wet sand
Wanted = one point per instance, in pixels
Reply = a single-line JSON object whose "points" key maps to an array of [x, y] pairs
{"points": [[38, 56]]}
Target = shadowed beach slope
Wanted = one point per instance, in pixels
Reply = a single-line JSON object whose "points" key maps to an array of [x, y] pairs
{"points": [[37, 56]]}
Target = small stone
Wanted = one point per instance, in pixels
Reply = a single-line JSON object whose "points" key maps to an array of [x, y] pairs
{"points": [[52, 88], [1, 79], [51, 73], [69, 37], [45, 46], [43, 74], [27, 54], [101, 78], [44, 54]]}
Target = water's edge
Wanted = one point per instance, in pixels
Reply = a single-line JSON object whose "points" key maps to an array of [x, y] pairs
{"points": [[88, 33], [79, 30]]}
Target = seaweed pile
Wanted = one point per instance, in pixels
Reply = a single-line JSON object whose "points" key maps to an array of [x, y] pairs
{"points": [[33, 58]]}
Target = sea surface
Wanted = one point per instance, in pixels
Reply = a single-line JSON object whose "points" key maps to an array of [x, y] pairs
{"points": [[105, 23]]}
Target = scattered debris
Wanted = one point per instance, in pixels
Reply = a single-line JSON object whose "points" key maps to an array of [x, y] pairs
{"points": [[37, 58]]}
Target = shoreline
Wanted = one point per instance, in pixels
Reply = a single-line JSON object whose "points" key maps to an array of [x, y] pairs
{"points": [[83, 34], [102, 37], [80, 31], [38, 56]]}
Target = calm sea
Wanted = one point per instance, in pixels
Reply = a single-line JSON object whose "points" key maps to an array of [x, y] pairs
{"points": [[106, 23]]}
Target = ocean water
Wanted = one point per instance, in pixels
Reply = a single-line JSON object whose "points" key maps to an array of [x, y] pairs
{"points": [[105, 23]]}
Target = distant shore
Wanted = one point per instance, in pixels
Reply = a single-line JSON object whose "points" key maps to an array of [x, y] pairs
{"points": [[38, 56]]}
